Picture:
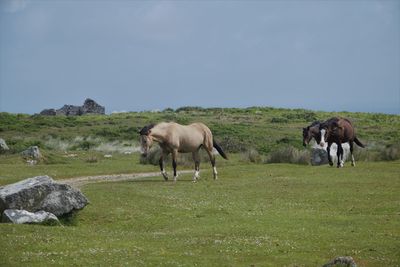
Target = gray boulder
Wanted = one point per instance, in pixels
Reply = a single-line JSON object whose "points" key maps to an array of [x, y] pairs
{"points": [[32, 152], [41, 193], [319, 157], [3, 145], [23, 216]]}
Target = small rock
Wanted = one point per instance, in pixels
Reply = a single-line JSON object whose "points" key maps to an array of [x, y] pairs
{"points": [[23, 216], [108, 156], [3, 145]]}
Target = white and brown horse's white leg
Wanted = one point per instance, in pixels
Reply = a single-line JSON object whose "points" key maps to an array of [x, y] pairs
{"points": [[174, 163], [161, 163], [353, 162], [196, 159], [339, 154]]}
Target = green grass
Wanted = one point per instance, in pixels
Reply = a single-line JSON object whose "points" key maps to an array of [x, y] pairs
{"points": [[255, 214]]}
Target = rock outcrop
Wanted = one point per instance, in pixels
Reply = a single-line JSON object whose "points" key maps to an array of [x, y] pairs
{"points": [[41, 193], [89, 107], [48, 112]]}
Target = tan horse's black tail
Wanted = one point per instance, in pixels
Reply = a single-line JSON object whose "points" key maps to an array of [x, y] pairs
{"points": [[358, 142], [219, 149]]}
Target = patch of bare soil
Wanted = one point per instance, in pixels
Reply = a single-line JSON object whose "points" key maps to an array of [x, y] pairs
{"points": [[84, 180]]}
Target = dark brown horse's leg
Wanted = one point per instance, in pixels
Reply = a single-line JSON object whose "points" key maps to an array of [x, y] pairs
{"points": [[196, 159], [174, 156], [353, 162], [328, 150], [161, 163]]}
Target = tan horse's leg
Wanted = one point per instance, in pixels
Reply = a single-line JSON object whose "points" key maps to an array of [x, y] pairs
{"points": [[212, 159], [196, 159], [174, 164], [161, 162]]}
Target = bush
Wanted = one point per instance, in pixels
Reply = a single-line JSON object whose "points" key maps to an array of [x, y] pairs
{"points": [[153, 157], [391, 152], [232, 144], [251, 155], [91, 159], [289, 154], [279, 120]]}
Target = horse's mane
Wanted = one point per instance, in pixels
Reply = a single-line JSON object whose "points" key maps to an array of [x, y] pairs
{"points": [[315, 123], [146, 129]]}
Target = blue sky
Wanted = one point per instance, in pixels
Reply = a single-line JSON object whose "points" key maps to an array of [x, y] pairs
{"points": [[145, 55]]}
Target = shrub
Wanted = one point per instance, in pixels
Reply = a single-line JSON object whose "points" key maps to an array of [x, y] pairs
{"points": [[152, 157], [251, 155], [91, 159], [289, 154], [391, 152], [232, 144], [279, 120]]}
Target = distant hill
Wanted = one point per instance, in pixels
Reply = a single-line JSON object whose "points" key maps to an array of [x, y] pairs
{"points": [[237, 129]]}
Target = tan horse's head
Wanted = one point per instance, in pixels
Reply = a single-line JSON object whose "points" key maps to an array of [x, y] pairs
{"points": [[146, 140]]}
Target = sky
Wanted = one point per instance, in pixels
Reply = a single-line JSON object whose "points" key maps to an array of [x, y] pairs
{"points": [[152, 55]]}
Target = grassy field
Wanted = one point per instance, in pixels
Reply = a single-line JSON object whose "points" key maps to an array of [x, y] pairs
{"points": [[254, 215]]}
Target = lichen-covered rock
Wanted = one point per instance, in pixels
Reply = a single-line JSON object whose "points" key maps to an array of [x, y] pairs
{"points": [[41, 193], [23, 216], [32, 152]]}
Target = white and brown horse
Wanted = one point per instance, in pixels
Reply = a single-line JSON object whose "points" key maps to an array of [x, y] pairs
{"points": [[338, 130], [173, 138], [310, 132]]}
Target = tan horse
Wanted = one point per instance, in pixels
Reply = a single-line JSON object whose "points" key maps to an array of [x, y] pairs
{"points": [[173, 138]]}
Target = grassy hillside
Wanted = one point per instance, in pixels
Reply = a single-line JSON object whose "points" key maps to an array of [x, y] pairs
{"points": [[261, 128]]}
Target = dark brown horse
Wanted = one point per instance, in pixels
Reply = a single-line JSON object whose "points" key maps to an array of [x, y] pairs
{"points": [[337, 130]]}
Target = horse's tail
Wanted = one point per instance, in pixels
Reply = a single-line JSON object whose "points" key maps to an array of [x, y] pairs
{"points": [[358, 142], [219, 149]]}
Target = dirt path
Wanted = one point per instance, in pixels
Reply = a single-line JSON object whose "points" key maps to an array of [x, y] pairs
{"points": [[81, 181]]}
